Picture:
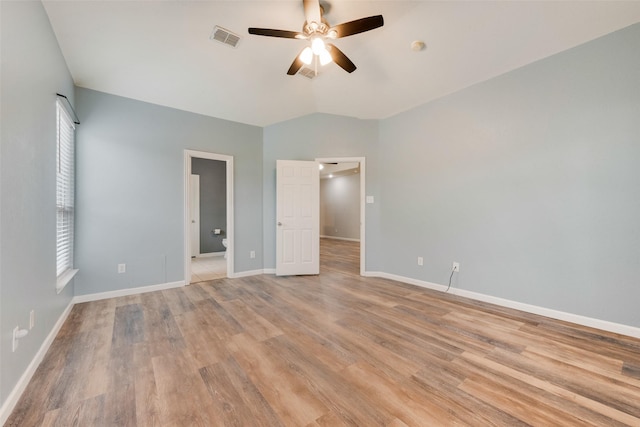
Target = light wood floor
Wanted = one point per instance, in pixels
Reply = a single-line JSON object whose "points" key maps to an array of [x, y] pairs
{"points": [[328, 350]]}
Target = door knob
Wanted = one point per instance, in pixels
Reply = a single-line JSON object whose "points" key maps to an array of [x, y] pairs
{"points": [[279, 224]]}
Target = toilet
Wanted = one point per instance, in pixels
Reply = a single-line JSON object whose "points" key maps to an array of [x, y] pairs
{"points": [[224, 243]]}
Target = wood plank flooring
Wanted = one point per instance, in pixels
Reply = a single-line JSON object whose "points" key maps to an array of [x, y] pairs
{"points": [[329, 350]]}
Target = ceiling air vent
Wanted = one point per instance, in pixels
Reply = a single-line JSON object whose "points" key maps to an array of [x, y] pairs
{"points": [[307, 72], [224, 36]]}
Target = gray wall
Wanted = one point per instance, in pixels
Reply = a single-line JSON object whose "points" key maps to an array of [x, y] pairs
{"points": [[340, 206], [315, 136], [529, 180], [213, 202], [32, 70], [130, 189]]}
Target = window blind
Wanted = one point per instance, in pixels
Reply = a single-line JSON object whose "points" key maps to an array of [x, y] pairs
{"points": [[64, 190]]}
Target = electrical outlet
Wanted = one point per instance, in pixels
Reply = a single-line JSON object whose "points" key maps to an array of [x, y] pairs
{"points": [[455, 266], [17, 334], [14, 343], [420, 261], [122, 268], [32, 319], [252, 254]]}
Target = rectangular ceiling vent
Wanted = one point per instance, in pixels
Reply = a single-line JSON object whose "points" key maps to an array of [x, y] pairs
{"points": [[307, 72], [225, 36]]}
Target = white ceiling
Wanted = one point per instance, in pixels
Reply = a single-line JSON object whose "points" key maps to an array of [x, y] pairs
{"points": [[159, 51]]}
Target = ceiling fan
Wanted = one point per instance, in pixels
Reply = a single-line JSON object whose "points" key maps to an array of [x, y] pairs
{"points": [[317, 30]]}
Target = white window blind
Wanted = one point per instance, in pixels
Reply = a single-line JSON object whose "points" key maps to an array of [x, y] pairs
{"points": [[65, 190]]}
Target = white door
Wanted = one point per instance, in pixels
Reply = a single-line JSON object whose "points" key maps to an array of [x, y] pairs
{"points": [[194, 213], [298, 218]]}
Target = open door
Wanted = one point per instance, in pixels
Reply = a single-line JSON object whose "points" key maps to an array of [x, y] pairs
{"points": [[298, 218]]}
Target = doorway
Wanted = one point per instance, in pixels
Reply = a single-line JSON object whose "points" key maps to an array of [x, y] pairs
{"points": [[208, 216], [342, 226]]}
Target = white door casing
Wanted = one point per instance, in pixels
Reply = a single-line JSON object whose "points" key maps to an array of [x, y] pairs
{"points": [[363, 192], [188, 155], [297, 217], [194, 213]]}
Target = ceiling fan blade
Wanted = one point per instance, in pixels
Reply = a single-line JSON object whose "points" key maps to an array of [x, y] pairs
{"points": [[341, 59], [312, 11], [358, 26], [277, 33], [295, 65]]}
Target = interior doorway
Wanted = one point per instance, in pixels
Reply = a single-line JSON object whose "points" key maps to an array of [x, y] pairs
{"points": [[208, 216], [342, 206]]}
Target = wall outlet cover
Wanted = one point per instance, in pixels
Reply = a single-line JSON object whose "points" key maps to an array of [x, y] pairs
{"points": [[14, 343]]}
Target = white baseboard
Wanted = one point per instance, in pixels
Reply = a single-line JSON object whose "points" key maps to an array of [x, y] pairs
{"points": [[124, 292], [210, 254], [340, 238], [11, 401], [604, 325], [248, 273]]}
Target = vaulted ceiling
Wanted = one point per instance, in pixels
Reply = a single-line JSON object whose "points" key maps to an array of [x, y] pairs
{"points": [[161, 51]]}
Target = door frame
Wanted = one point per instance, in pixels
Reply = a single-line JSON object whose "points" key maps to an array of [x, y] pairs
{"points": [[362, 161], [194, 215], [188, 155]]}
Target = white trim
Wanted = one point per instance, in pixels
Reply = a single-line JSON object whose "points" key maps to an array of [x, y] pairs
{"points": [[124, 292], [15, 394], [604, 325], [188, 155], [340, 238], [64, 279], [363, 193], [252, 273], [194, 214], [210, 255]]}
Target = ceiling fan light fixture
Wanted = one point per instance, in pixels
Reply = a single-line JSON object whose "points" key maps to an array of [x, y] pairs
{"points": [[306, 55], [317, 30], [325, 57], [317, 46]]}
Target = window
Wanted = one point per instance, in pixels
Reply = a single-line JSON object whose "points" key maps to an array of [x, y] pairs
{"points": [[64, 196]]}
